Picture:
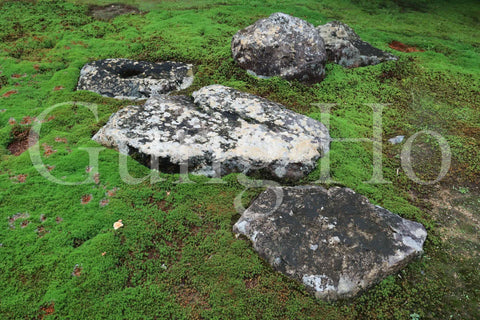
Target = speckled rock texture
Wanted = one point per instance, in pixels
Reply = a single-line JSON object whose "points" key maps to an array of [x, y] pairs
{"points": [[221, 130], [129, 79], [281, 45], [345, 47], [334, 241]]}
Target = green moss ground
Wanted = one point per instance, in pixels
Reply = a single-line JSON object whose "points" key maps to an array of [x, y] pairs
{"points": [[176, 256]]}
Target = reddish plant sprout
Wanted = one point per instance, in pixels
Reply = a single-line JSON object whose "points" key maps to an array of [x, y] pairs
{"points": [[9, 93], [59, 139], [104, 202], [86, 198]]}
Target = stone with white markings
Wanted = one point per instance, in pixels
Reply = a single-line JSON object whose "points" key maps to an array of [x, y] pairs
{"points": [[221, 130], [281, 45], [334, 241], [129, 79], [345, 47]]}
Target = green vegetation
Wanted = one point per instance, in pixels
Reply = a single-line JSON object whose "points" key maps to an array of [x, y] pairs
{"points": [[176, 256]]}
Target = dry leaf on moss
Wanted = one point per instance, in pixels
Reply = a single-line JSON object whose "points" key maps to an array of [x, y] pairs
{"points": [[118, 224]]}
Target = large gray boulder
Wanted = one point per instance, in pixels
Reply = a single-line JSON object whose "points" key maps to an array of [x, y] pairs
{"points": [[221, 130], [130, 79], [345, 47], [333, 241], [281, 45]]}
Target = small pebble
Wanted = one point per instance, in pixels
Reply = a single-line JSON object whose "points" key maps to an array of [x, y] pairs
{"points": [[396, 140]]}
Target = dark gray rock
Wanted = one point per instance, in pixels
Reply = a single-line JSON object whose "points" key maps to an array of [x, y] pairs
{"points": [[129, 79], [281, 45], [334, 241], [345, 47], [220, 131]]}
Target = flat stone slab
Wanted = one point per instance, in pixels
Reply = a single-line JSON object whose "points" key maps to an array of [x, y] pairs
{"points": [[334, 241], [219, 131], [130, 79], [345, 47], [281, 45]]}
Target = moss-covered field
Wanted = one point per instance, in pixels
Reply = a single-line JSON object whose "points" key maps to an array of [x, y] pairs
{"points": [[176, 256]]}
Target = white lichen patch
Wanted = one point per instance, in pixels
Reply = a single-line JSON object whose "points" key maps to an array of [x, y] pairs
{"points": [[223, 130], [320, 283]]}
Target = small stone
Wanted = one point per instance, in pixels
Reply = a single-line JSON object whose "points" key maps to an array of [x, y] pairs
{"points": [[396, 140]]}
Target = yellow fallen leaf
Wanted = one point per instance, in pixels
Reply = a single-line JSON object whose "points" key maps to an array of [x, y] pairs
{"points": [[118, 224]]}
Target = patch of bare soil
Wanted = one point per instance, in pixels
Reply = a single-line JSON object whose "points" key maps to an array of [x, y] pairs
{"points": [[21, 141], [251, 283], [47, 310], [397, 45], [190, 298], [457, 212], [110, 11]]}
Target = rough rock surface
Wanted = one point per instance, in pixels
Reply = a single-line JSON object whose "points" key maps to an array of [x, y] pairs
{"points": [[334, 241], [345, 47], [281, 45], [221, 131], [129, 79]]}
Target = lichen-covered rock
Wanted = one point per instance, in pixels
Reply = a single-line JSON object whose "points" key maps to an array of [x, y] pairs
{"points": [[345, 47], [221, 131], [129, 79], [281, 45], [334, 241]]}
